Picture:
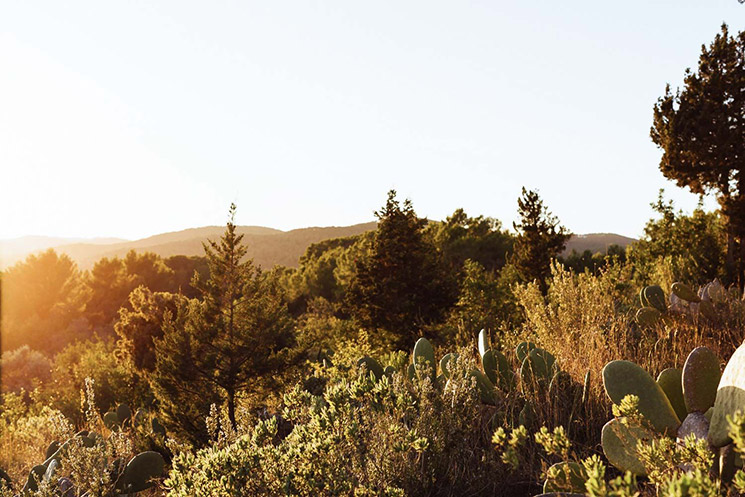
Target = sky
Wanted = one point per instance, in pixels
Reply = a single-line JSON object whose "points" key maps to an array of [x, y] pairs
{"points": [[129, 119]]}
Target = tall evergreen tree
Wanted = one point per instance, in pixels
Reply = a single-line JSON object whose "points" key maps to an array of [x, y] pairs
{"points": [[701, 130], [227, 343], [540, 238], [402, 286]]}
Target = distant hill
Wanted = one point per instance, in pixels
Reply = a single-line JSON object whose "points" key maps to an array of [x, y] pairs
{"points": [[266, 246], [596, 242]]}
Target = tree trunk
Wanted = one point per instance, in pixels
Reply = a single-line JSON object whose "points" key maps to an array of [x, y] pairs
{"points": [[730, 262], [231, 407]]}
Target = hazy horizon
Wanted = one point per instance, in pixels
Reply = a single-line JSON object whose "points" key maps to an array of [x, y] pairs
{"points": [[128, 120]]}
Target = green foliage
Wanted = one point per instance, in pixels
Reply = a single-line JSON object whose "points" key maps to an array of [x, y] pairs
{"points": [[42, 302], [362, 437], [699, 129], [479, 239], [228, 343], [485, 301], [23, 369], [540, 238], [141, 323], [402, 287], [111, 281]]}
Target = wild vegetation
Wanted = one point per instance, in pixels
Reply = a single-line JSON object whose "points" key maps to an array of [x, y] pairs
{"points": [[420, 359]]}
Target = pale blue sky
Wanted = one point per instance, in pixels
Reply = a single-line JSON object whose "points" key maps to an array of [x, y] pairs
{"points": [[134, 118]]}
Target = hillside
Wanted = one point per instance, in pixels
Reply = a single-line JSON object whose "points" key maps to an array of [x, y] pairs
{"points": [[596, 242], [266, 246]]}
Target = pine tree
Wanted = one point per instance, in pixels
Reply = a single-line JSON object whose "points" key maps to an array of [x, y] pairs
{"points": [[701, 130], [539, 239], [402, 286], [227, 343]]}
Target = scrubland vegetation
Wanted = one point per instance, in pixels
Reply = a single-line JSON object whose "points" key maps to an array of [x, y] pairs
{"points": [[425, 358]]}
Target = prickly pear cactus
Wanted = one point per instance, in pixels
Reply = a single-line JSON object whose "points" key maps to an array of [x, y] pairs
{"points": [[372, 366], [445, 363], [486, 388], [425, 354], [565, 477], [648, 316], [140, 471], [619, 440], [654, 296], [123, 413], [483, 343], [730, 398], [684, 292], [522, 350], [622, 378], [670, 381], [538, 366], [111, 420], [701, 376]]}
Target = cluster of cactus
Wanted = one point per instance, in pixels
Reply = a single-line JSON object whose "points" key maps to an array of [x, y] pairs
{"points": [[654, 303], [692, 401], [538, 368], [136, 475], [132, 478], [122, 417]]}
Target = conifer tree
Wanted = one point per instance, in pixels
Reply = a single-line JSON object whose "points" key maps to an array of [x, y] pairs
{"points": [[701, 130], [402, 286], [229, 342], [540, 238]]}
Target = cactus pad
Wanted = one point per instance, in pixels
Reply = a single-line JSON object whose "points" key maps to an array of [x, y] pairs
{"points": [[372, 366], [670, 380], [622, 378], [619, 441], [701, 376], [684, 292], [565, 477], [730, 398]]}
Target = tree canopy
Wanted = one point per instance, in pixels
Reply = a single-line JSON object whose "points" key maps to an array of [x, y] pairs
{"points": [[540, 238], [701, 130]]}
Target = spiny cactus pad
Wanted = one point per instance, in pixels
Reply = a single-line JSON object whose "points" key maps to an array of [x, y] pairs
{"points": [[654, 296], [670, 380], [565, 477], [538, 365], [424, 353], [123, 413], [730, 398], [483, 343], [684, 292], [648, 316], [701, 376], [140, 471], [619, 441], [445, 363], [486, 387], [622, 378], [372, 366], [523, 349]]}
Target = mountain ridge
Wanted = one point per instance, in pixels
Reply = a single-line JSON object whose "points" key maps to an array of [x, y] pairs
{"points": [[267, 246]]}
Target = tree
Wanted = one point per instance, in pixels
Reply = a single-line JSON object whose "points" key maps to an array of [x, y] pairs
{"points": [[402, 286], [539, 239], [701, 131], [111, 280], [236, 337], [141, 323], [694, 245], [480, 239], [43, 298]]}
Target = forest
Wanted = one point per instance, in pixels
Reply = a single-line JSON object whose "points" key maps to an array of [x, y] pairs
{"points": [[423, 358]]}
